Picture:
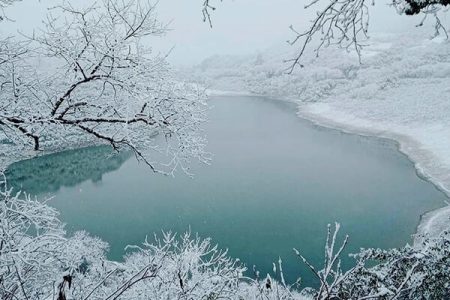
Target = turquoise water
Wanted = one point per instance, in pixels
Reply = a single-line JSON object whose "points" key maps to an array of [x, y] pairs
{"points": [[275, 182]]}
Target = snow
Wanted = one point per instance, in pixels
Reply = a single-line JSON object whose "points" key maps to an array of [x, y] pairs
{"points": [[401, 91], [433, 223]]}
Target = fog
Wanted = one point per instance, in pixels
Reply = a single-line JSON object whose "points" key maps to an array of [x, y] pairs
{"points": [[239, 27]]}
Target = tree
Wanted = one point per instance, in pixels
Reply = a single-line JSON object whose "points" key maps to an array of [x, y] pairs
{"points": [[87, 77], [345, 23]]}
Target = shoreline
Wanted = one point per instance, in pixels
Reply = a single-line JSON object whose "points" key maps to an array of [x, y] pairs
{"points": [[431, 223], [403, 142]]}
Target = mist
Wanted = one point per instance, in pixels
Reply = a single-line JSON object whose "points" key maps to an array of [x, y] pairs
{"points": [[239, 27]]}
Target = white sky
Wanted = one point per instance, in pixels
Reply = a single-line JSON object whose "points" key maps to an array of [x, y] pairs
{"points": [[240, 26]]}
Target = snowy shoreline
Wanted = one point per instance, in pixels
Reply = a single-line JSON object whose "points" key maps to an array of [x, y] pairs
{"points": [[431, 223]]}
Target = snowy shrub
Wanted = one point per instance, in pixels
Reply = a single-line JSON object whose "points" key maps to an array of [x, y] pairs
{"points": [[35, 253], [419, 272]]}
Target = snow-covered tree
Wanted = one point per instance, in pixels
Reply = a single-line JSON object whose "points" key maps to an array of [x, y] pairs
{"points": [[87, 77], [35, 254]]}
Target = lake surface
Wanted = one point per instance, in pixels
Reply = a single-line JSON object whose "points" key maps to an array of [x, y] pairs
{"points": [[275, 183]]}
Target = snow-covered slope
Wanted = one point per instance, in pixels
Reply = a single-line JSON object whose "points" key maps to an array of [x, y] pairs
{"points": [[400, 91]]}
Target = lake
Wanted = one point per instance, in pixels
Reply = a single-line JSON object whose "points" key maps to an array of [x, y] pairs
{"points": [[274, 183]]}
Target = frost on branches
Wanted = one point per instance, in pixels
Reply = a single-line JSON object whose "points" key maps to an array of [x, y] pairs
{"points": [[87, 77], [38, 260], [345, 23], [419, 272]]}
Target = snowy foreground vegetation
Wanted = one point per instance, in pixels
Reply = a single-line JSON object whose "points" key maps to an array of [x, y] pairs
{"points": [[38, 260]]}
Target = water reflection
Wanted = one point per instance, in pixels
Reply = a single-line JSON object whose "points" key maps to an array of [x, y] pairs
{"points": [[48, 173]]}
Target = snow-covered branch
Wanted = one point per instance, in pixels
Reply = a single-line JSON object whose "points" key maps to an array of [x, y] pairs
{"points": [[4, 4], [345, 23], [207, 9], [341, 22]]}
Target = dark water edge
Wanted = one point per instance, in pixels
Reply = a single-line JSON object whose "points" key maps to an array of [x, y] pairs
{"points": [[48, 173]]}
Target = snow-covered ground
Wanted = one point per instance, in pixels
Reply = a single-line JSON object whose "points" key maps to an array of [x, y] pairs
{"points": [[400, 91]]}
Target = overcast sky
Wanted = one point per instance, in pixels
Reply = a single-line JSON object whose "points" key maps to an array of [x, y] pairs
{"points": [[240, 26]]}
